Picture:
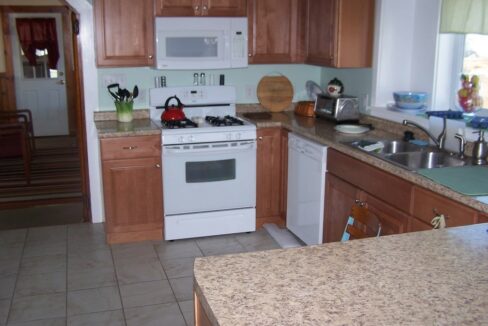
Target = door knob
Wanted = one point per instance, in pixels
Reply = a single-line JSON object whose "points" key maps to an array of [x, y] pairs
{"points": [[61, 82]]}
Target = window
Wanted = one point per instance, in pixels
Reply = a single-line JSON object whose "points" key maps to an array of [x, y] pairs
{"points": [[475, 62], [40, 70]]}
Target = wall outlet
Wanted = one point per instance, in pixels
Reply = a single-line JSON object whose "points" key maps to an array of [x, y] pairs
{"points": [[250, 91], [120, 79]]}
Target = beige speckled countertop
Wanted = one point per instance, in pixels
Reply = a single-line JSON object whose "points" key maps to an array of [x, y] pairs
{"points": [[323, 132], [137, 127], [437, 277]]}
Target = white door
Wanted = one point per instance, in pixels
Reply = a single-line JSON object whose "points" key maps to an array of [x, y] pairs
{"points": [[40, 89]]}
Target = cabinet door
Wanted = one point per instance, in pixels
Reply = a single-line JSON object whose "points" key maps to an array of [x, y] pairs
{"points": [[125, 32], [225, 8], [418, 225], [393, 221], [339, 198], [322, 30], [482, 218], [178, 8], [268, 176], [426, 205], [273, 28], [284, 172], [133, 199]]}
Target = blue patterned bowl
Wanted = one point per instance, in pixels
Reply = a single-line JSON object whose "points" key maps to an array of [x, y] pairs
{"points": [[410, 100]]}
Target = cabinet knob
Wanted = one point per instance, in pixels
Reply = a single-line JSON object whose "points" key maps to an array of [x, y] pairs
{"points": [[150, 57], [130, 147], [204, 8], [158, 165], [260, 138], [249, 55]]}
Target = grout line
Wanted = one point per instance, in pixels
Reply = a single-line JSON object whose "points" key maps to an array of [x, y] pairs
{"points": [[16, 278], [118, 285]]}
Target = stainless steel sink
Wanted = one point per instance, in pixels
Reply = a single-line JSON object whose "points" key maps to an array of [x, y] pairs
{"points": [[425, 160], [411, 156]]}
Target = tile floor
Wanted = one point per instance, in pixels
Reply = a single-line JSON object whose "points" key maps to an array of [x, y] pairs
{"points": [[68, 275]]}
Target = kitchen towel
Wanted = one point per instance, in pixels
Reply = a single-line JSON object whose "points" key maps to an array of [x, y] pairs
{"points": [[468, 180]]}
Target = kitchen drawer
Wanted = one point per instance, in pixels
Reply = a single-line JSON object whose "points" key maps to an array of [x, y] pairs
{"points": [[391, 189], [418, 225], [130, 147], [426, 203], [482, 218]]}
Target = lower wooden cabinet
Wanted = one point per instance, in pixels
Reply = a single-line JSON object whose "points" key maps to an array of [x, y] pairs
{"points": [[132, 190], [482, 218], [427, 205], [270, 176], [418, 225]]}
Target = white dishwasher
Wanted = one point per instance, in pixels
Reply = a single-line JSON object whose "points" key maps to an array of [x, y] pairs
{"points": [[306, 189]]}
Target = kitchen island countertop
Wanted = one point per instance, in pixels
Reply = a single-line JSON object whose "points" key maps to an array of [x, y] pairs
{"points": [[437, 277]]}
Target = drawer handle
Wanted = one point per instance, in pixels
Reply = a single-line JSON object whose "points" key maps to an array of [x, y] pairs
{"points": [[158, 165], [130, 147]]}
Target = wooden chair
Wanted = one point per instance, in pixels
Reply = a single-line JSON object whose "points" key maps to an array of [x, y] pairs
{"points": [[361, 224], [22, 116], [14, 142]]}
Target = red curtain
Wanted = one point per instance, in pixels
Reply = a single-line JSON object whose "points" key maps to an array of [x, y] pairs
{"points": [[38, 33]]}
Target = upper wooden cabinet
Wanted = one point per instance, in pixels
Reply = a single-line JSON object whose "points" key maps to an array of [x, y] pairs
{"points": [[276, 31], [340, 33], [224, 8], [124, 33]]}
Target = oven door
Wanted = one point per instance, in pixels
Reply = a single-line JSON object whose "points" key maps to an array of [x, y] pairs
{"points": [[209, 177]]}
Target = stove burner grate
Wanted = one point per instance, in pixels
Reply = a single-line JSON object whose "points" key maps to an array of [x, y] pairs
{"points": [[223, 121], [177, 124]]}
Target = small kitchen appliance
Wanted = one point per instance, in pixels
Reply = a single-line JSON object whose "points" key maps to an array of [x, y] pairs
{"points": [[209, 163], [339, 109]]}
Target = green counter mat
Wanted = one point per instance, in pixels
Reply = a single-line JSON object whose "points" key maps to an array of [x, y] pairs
{"points": [[468, 180]]}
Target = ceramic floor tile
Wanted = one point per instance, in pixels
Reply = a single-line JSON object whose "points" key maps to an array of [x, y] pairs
{"points": [[82, 279], [87, 244], [12, 236], [84, 229], [34, 284], [42, 322], [7, 285], [257, 238], [9, 267], [157, 315], [90, 260], [43, 264], [36, 307], [47, 234], [178, 249], [187, 308], [178, 267], [93, 300], [146, 293], [183, 288], [104, 318], [33, 249], [11, 251], [139, 270], [134, 250], [4, 308], [220, 246]]}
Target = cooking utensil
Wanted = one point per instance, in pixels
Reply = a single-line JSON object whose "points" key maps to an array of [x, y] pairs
{"points": [[313, 89], [275, 93], [305, 108], [173, 112]]}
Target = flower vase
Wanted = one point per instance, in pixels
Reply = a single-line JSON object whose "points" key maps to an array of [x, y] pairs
{"points": [[124, 110]]}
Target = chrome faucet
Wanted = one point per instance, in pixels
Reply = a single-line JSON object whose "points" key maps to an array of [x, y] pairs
{"points": [[439, 140]]}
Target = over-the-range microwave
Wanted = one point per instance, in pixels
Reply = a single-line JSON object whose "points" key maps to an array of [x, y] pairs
{"points": [[201, 42]]}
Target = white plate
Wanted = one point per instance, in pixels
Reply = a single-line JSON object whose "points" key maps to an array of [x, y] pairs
{"points": [[393, 107], [351, 129]]}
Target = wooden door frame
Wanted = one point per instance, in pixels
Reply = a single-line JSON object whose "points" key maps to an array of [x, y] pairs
{"points": [[73, 77]]}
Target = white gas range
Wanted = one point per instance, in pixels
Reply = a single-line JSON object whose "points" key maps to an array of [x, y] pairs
{"points": [[209, 163]]}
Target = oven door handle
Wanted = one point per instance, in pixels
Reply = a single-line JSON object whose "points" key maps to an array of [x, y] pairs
{"points": [[239, 147]]}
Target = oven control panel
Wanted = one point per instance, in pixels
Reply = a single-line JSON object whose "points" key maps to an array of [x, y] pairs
{"points": [[171, 138]]}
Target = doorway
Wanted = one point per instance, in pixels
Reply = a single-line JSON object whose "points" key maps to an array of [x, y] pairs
{"points": [[54, 95]]}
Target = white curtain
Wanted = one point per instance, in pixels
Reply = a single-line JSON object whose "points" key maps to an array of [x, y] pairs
{"points": [[464, 16]]}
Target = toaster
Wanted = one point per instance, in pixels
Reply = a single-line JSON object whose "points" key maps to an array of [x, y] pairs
{"points": [[343, 108]]}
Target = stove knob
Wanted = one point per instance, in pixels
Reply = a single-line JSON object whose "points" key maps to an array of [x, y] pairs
{"points": [[238, 136], [228, 136], [180, 139], [190, 138]]}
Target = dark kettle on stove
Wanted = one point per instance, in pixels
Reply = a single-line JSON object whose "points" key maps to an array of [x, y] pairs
{"points": [[173, 112]]}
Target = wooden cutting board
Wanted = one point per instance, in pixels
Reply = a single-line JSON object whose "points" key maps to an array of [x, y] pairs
{"points": [[275, 93]]}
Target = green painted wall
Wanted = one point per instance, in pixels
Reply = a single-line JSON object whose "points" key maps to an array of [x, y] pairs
{"points": [[245, 80], [357, 82]]}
